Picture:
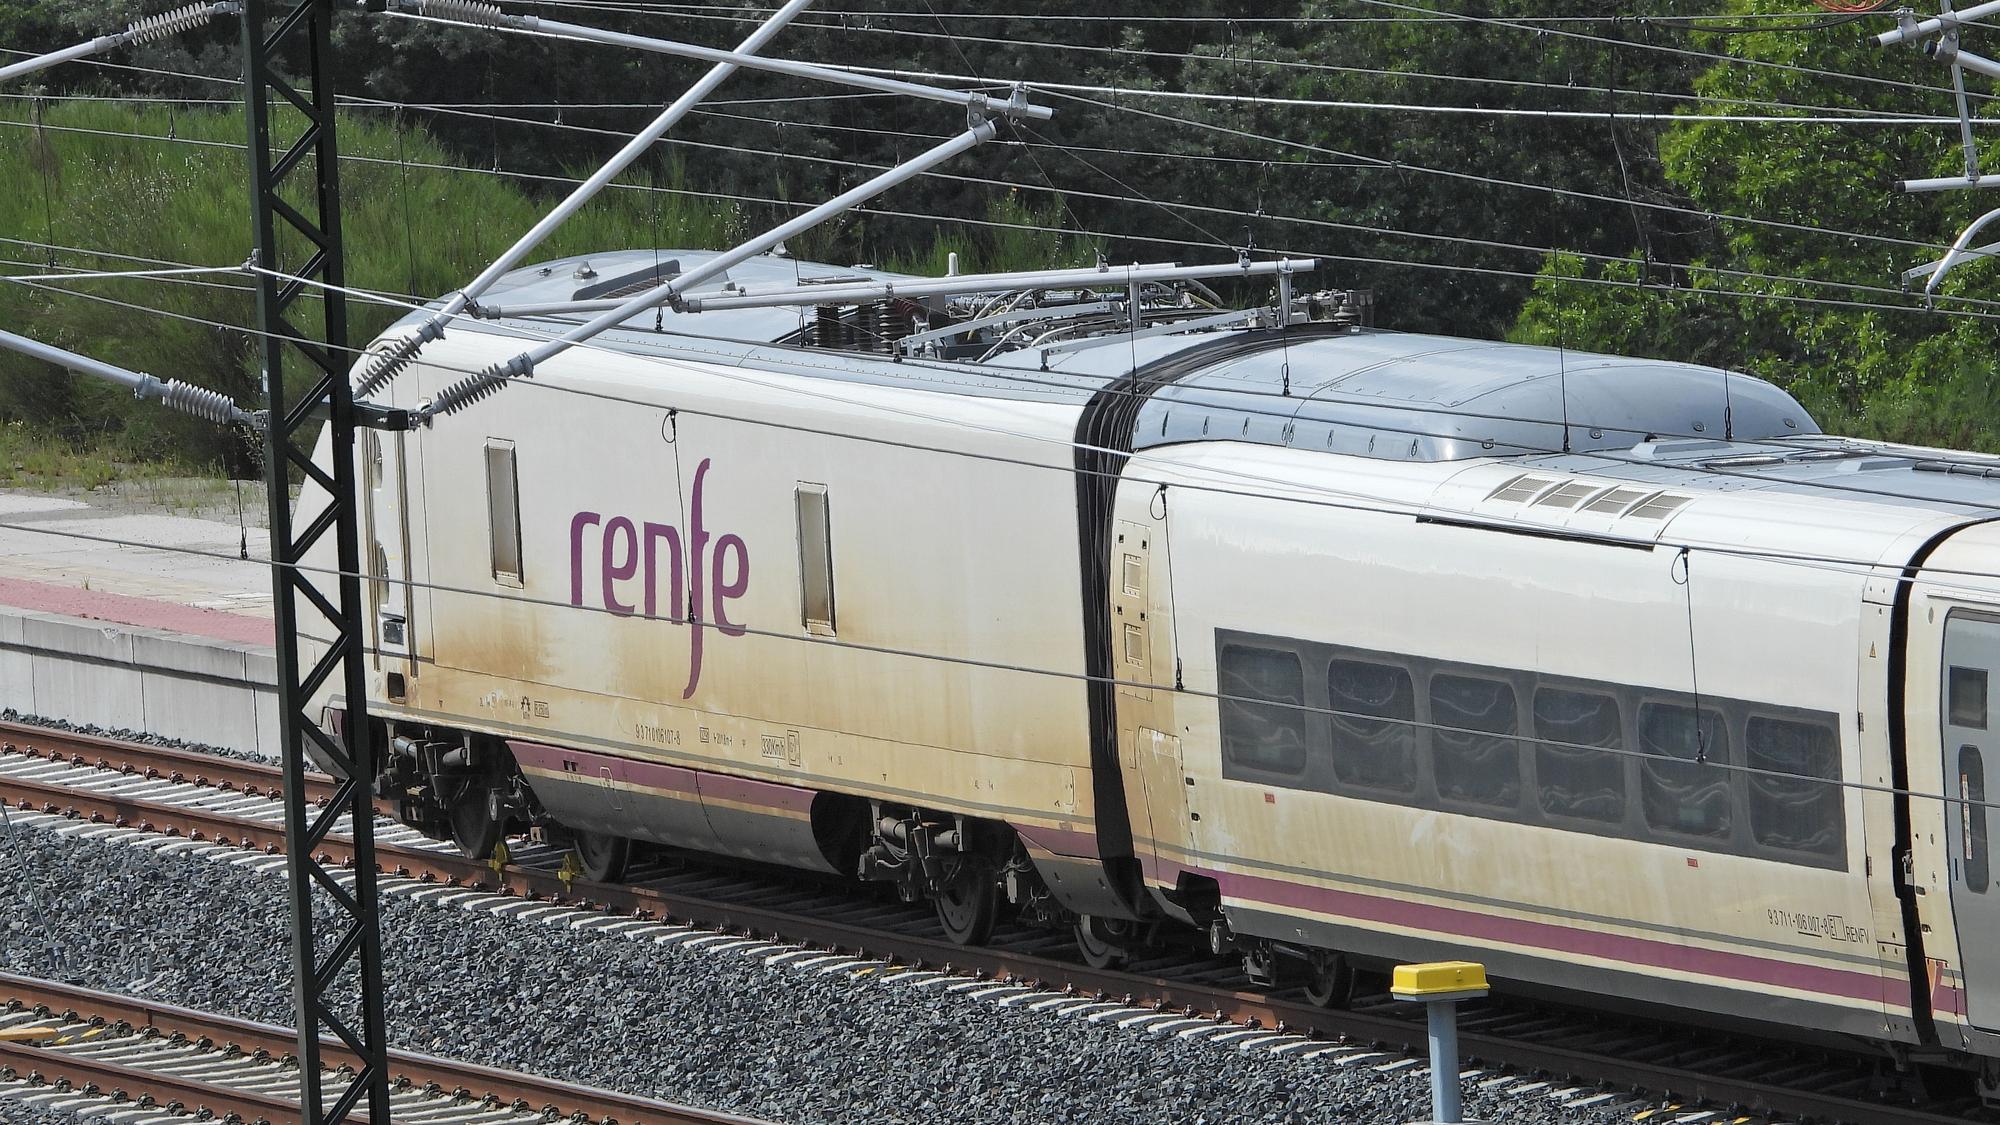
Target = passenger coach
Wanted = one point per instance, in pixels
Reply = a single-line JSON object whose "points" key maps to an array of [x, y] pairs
{"points": [[1323, 645]]}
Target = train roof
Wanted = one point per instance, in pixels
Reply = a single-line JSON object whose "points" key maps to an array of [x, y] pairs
{"points": [[1390, 396]]}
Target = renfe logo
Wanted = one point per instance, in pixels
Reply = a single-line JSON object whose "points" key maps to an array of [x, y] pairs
{"points": [[628, 550]]}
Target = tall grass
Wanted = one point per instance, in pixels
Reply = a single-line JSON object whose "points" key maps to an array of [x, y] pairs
{"points": [[159, 183]]}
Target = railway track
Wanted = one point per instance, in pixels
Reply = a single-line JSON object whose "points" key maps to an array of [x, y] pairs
{"points": [[60, 1042], [220, 801]]}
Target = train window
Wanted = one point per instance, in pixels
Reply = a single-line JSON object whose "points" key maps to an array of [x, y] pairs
{"points": [[1968, 697], [1683, 787], [1374, 728], [1794, 784], [1254, 732], [1474, 754], [1972, 819], [1584, 777], [503, 510], [815, 560]]}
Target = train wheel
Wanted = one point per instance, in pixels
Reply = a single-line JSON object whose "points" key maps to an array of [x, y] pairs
{"points": [[1329, 980], [602, 856], [1102, 944], [968, 906], [474, 828]]}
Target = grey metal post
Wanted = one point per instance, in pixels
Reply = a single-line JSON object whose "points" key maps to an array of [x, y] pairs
{"points": [[1444, 1061], [1439, 986]]}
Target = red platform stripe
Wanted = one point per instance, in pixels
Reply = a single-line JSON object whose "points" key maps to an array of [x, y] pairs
{"points": [[145, 613]]}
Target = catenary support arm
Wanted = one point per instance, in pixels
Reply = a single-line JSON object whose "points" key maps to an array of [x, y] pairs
{"points": [[148, 30], [385, 366], [186, 397], [472, 388]]}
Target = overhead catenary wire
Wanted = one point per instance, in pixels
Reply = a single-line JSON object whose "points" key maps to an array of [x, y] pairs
{"points": [[413, 303], [1969, 303], [1288, 64], [1376, 162], [838, 643], [1810, 114], [1800, 777], [486, 376], [148, 29], [383, 369], [1435, 17], [684, 8], [1685, 292], [1318, 496], [1288, 488]]}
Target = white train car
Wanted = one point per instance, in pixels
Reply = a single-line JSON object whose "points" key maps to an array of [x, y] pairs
{"points": [[1340, 646]]}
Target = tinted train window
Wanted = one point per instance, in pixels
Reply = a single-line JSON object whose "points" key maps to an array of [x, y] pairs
{"points": [[1370, 749], [1972, 819], [1794, 784], [1968, 698], [1473, 762], [1576, 780], [1678, 793], [1254, 733]]}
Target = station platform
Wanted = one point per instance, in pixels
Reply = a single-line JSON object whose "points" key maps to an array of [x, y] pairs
{"points": [[117, 614]]}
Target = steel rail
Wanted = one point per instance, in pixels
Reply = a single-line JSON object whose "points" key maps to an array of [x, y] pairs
{"points": [[1665, 1076], [92, 1075], [552, 1097], [153, 761]]}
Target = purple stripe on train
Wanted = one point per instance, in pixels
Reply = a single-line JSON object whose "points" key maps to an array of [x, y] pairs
{"points": [[674, 781], [629, 554]]}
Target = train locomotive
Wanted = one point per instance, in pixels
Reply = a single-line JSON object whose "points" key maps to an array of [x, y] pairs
{"points": [[1319, 644]]}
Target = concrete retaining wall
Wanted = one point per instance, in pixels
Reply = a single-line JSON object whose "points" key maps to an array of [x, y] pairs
{"points": [[80, 670]]}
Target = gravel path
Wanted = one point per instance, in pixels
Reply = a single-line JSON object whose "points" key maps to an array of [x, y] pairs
{"points": [[712, 1029]]}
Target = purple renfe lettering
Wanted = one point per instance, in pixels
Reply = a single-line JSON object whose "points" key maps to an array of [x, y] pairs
{"points": [[725, 590], [616, 572], [676, 595], [697, 543], [625, 546], [576, 525]]}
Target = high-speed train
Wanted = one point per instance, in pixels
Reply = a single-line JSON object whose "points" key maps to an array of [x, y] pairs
{"points": [[1326, 645]]}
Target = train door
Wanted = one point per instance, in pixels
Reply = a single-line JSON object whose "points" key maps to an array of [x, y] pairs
{"points": [[387, 554], [1971, 744], [1151, 755]]}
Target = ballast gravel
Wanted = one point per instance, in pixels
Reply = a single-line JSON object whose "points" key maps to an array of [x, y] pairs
{"points": [[124, 734], [15, 1113], [713, 1029]]}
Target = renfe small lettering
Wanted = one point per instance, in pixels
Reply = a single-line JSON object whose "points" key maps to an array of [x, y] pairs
{"points": [[629, 550]]}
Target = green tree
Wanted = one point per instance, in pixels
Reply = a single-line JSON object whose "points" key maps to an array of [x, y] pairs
{"points": [[1903, 374]]}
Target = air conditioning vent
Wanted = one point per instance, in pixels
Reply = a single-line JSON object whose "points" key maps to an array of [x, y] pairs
{"points": [[1616, 500], [1568, 496], [1659, 507], [1521, 489]]}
